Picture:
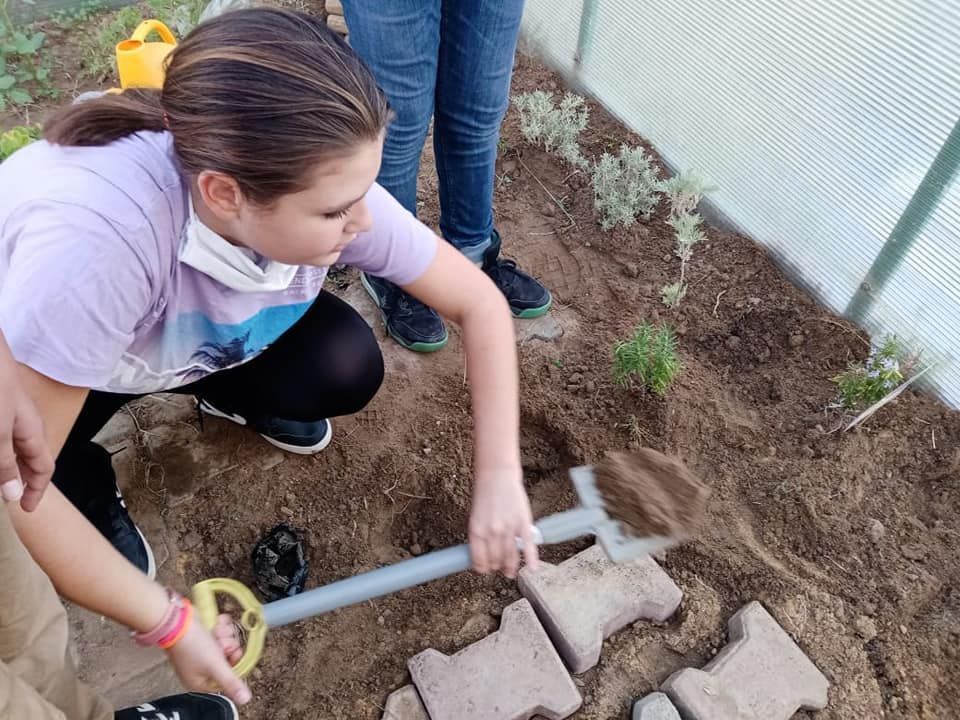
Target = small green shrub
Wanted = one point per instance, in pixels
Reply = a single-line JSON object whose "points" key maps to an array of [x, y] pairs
{"points": [[688, 234], [16, 138], [685, 191], [624, 187], [673, 293], [556, 128], [24, 73], [648, 359], [866, 383]]}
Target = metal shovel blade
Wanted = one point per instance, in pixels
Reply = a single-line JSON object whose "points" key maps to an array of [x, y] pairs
{"points": [[619, 545]]}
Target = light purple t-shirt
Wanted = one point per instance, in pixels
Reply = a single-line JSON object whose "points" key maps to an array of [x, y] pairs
{"points": [[92, 293]]}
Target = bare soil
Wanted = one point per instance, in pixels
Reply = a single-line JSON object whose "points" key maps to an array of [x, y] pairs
{"points": [[849, 539]]}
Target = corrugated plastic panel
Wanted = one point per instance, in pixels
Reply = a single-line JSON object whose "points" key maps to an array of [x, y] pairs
{"points": [[816, 119]]}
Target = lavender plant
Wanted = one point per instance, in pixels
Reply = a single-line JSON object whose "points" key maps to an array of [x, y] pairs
{"points": [[624, 187], [554, 127]]}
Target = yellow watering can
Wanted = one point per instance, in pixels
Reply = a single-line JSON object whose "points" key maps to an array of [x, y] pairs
{"points": [[140, 63]]}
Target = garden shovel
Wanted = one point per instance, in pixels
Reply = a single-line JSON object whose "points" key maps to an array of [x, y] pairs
{"points": [[589, 518]]}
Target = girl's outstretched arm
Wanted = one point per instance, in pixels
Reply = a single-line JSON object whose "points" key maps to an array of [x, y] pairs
{"points": [[460, 291]]}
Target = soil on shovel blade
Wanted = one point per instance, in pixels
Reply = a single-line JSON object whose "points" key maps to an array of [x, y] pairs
{"points": [[848, 539], [651, 493]]}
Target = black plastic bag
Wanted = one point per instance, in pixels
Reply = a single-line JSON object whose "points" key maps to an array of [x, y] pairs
{"points": [[280, 563]]}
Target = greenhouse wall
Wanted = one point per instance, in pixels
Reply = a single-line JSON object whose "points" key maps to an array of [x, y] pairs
{"points": [[830, 130]]}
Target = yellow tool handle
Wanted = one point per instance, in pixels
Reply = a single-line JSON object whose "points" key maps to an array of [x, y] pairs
{"points": [[147, 26], [205, 601]]}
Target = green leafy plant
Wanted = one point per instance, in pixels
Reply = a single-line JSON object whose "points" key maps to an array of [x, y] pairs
{"points": [[688, 234], [865, 383], [24, 73], [648, 359], [555, 127], [77, 14], [624, 187], [181, 16], [16, 138], [685, 191]]}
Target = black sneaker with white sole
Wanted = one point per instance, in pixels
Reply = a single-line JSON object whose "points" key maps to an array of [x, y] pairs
{"points": [[302, 438], [187, 706], [89, 482]]}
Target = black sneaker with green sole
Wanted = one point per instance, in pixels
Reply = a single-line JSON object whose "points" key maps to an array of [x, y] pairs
{"points": [[411, 323], [527, 297]]}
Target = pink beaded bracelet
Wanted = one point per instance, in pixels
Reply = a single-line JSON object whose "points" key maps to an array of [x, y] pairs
{"points": [[170, 622]]}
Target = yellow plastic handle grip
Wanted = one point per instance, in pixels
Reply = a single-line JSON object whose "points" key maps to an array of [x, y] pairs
{"points": [[205, 601], [145, 28]]}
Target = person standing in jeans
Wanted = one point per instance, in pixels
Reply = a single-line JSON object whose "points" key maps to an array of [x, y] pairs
{"points": [[449, 60]]}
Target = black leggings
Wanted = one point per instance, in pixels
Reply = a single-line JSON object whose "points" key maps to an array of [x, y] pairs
{"points": [[327, 364]]}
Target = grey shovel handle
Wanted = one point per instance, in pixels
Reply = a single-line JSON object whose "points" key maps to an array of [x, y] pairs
{"points": [[415, 571], [369, 585]]}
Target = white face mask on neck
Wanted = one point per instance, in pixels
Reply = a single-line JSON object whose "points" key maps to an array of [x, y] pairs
{"points": [[234, 266]]}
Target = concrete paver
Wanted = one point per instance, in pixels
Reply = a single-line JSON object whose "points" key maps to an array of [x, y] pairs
{"points": [[760, 675], [655, 706], [404, 704], [587, 598], [513, 674]]}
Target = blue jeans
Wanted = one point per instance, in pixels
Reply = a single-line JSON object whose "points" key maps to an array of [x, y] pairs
{"points": [[450, 60]]}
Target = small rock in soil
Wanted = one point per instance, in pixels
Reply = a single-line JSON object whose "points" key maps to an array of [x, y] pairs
{"points": [[476, 627], [270, 459], [416, 549], [913, 551], [286, 511], [631, 270], [575, 379], [548, 210], [876, 530], [509, 166], [733, 342], [796, 340], [668, 257], [191, 540], [865, 627], [291, 498], [591, 386]]}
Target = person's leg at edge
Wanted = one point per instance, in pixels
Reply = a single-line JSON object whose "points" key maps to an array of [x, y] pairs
{"points": [[84, 474], [478, 41], [328, 364], [37, 678], [399, 41]]}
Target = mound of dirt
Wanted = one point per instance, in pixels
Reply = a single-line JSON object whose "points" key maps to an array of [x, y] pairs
{"points": [[651, 493]]}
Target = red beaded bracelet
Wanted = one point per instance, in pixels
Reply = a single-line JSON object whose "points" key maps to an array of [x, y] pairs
{"points": [[171, 620]]}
